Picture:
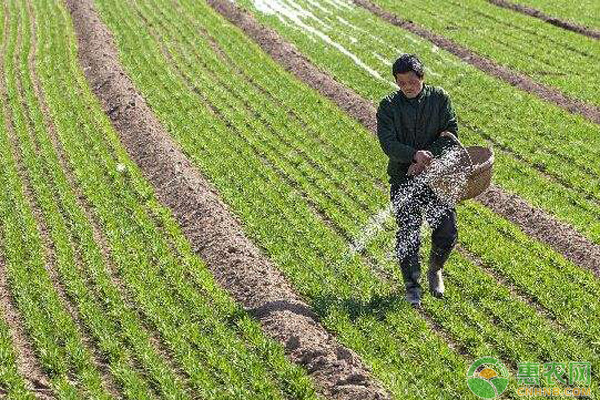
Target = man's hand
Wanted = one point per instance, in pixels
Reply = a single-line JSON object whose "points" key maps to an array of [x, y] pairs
{"points": [[421, 160], [423, 157], [415, 169]]}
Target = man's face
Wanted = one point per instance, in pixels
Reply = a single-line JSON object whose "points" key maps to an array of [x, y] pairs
{"points": [[409, 83]]}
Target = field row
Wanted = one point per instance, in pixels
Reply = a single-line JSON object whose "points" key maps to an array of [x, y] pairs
{"points": [[506, 37], [304, 190], [548, 146], [585, 12], [99, 270]]}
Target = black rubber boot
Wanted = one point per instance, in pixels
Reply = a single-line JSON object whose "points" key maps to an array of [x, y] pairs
{"points": [[411, 272], [434, 274]]}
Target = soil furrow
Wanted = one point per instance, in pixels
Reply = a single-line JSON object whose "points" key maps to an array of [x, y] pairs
{"points": [[523, 82], [535, 222], [214, 232], [561, 23]]}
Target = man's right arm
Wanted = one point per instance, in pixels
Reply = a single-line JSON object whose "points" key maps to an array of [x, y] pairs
{"points": [[386, 134]]}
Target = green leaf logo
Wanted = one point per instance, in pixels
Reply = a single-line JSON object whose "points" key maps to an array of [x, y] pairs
{"points": [[487, 377]]}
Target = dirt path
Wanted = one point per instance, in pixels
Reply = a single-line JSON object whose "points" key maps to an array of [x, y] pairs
{"points": [[216, 235], [511, 77], [561, 23], [535, 222]]}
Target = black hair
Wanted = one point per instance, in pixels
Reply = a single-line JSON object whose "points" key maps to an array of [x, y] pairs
{"points": [[406, 63]]}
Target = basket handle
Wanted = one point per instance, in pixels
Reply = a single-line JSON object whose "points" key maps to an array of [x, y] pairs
{"points": [[453, 137]]}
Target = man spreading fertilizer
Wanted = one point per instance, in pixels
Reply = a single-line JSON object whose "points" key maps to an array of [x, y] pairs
{"points": [[412, 124]]}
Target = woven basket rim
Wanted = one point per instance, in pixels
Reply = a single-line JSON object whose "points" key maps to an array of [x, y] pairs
{"points": [[478, 168]]}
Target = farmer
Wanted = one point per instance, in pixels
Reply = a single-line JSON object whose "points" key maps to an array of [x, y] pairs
{"points": [[410, 126]]}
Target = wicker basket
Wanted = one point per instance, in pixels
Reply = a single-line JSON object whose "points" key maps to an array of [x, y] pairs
{"points": [[482, 159], [468, 175]]}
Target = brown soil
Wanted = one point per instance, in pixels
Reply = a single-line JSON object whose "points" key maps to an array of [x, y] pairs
{"points": [[216, 235], [516, 79], [535, 222], [562, 237], [561, 23]]}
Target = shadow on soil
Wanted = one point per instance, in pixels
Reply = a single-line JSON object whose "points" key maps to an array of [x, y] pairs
{"points": [[378, 306]]}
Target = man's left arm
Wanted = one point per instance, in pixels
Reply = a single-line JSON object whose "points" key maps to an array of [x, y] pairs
{"points": [[447, 123]]}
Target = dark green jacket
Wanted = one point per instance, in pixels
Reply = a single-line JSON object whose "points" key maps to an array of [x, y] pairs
{"points": [[407, 125]]}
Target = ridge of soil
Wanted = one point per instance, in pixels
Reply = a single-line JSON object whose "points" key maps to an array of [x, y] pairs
{"points": [[215, 234], [535, 222], [561, 23], [519, 80]]}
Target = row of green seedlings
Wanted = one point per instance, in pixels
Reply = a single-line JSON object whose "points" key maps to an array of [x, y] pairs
{"points": [[271, 155], [584, 12], [529, 145], [12, 383], [279, 204], [337, 201], [220, 350], [511, 128], [518, 41], [46, 320], [583, 277]]}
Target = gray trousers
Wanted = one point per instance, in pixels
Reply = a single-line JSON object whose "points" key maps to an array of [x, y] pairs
{"points": [[411, 203]]}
